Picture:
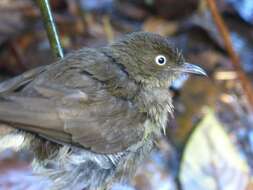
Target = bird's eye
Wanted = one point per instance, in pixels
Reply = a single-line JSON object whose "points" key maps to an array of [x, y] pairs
{"points": [[160, 60]]}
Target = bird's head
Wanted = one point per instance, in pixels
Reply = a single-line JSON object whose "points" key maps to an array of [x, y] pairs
{"points": [[150, 59]]}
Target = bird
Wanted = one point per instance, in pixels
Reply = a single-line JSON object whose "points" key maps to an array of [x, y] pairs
{"points": [[91, 118]]}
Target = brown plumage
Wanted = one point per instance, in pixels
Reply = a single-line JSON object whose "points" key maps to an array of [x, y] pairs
{"points": [[102, 107]]}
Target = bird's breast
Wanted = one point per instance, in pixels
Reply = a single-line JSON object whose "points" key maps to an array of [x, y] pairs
{"points": [[157, 103]]}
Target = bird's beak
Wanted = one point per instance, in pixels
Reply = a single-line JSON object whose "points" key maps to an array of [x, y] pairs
{"points": [[190, 68]]}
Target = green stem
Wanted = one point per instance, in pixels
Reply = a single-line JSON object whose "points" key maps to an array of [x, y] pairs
{"points": [[51, 28]]}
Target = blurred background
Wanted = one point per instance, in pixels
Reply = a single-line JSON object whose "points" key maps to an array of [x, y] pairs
{"points": [[209, 142]]}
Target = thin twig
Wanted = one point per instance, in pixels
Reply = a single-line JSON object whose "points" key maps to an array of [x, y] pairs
{"points": [[51, 28], [246, 84]]}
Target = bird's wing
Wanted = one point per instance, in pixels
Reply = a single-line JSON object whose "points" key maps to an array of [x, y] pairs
{"points": [[108, 125], [16, 82], [82, 113]]}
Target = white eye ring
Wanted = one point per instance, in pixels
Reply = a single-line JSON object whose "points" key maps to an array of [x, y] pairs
{"points": [[160, 60]]}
